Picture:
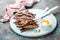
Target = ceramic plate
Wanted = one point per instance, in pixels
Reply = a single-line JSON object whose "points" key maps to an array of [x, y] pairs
{"points": [[33, 33]]}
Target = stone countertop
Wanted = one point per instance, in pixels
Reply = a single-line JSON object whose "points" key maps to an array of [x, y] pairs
{"points": [[7, 34]]}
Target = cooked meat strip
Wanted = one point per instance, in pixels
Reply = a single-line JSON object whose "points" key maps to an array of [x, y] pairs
{"points": [[25, 21], [23, 17], [21, 22], [31, 26], [19, 26], [31, 22], [24, 29], [26, 14]]}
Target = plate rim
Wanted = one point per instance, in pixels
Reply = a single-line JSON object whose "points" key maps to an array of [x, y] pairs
{"points": [[38, 35]]}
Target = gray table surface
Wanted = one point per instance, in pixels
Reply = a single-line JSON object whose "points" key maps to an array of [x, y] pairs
{"points": [[7, 34]]}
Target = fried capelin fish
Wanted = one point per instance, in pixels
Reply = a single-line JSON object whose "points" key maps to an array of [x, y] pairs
{"points": [[24, 20]]}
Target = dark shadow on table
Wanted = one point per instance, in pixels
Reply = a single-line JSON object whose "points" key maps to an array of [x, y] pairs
{"points": [[30, 6]]}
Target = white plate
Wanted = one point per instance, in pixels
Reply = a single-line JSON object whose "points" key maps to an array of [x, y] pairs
{"points": [[32, 33]]}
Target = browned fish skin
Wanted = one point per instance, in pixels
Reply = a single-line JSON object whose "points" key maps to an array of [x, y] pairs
{"points": [[25, 21]]}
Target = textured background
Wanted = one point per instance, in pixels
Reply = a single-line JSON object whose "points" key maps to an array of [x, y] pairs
{"points": [[7, 34]]}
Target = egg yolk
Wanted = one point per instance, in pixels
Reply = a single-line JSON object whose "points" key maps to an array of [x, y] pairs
{"points": [[45, 22]]}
